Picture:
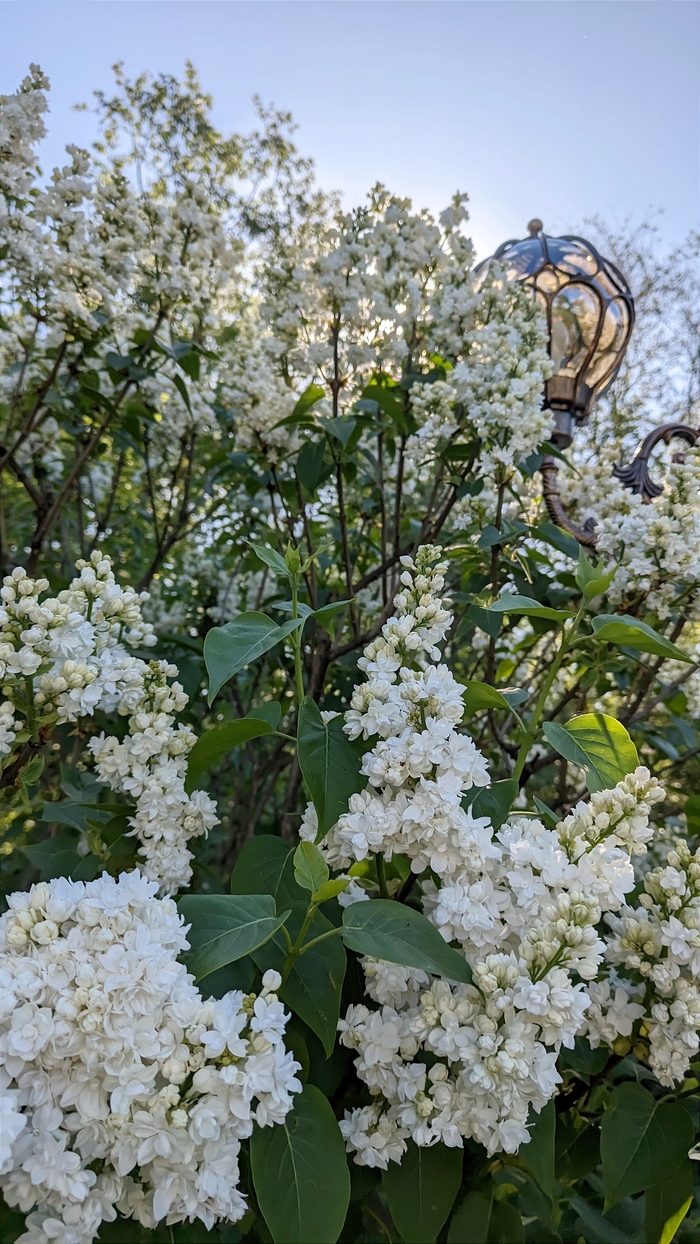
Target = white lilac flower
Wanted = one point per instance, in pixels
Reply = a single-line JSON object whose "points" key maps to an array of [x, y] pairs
{"points": [[524, 905], [109, 1051], [73, 647]]}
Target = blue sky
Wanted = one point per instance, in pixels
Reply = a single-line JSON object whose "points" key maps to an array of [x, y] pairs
{"points": [[556, 108]]}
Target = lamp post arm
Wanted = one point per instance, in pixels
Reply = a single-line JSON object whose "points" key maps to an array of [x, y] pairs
{"points": [[586, 534]]}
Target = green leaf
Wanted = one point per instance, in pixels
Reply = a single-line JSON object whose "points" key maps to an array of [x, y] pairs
{"points": [[506, 1224], [310, 467], [225, 927], [58, 857], [539, 1152], [490, 535], [495, 801], [592, 577], [599, 744], [270, 558], [489, 622], [666, 1204], [220, 740], [604, 1230], [182, 390], [631, 633], [340, 429], [550, 819], [313, 987], [390, 401], [329, 762], [326, 615], [330, 889], [228, 648], [190, 363], [673, 1223], [471, 1222], [266, 866], [510, 603], [301, 1174], [642, 1142], [577, 1149], [81, 815], [557, 538], [269, 711], [310, 868], [478, 695], [311, 395], [389, 930], [421, 1190]]}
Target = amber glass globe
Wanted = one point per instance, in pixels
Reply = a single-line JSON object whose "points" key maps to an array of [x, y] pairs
{"points": [[589, 310]]}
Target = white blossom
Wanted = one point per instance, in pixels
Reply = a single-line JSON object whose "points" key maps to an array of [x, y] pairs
{"points": [[109, 1052]]}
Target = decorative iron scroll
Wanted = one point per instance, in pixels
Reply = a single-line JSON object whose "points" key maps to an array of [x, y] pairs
{"points": [[635, 475]]}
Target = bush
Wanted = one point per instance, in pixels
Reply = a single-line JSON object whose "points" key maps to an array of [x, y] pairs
{"points": [[286, 625]]}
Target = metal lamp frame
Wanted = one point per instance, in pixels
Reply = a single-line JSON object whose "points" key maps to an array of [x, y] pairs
{"points": [[569, 397]]}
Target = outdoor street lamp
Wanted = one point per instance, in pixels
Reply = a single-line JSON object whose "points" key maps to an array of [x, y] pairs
{"points": [[590, 315]]}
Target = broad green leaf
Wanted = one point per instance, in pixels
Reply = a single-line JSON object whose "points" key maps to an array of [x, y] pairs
{"points": [[478, 695], [310, 468], [228, 648], [340, 429], [490, 536], [421, 1190], [225, 927], [490, 622], [642, 1142], [310, 397], [271, 559], [631, 633], [505, 535], [58, 857], [389, 930], [557, 538], [220, 740], [667, 1203], [506, 1225], [82, 815], [471, 1222], [391, 401], [577, 1149], [314, 985], [310, 868], [495, 801], [512, 603], [599, 744], [266, 866], [603, 1229], [329, 762], [538, 1154], [300, 1173], [327, 614], [269, 711]]}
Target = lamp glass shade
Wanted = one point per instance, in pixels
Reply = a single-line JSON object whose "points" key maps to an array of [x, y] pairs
{"points": [[589, 309]]}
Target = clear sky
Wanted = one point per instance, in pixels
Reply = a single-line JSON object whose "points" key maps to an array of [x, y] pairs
{"points": [[555, 108]]}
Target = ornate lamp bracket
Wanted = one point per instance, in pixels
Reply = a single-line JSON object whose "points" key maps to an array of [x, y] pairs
{"points": [[633, 475]]}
